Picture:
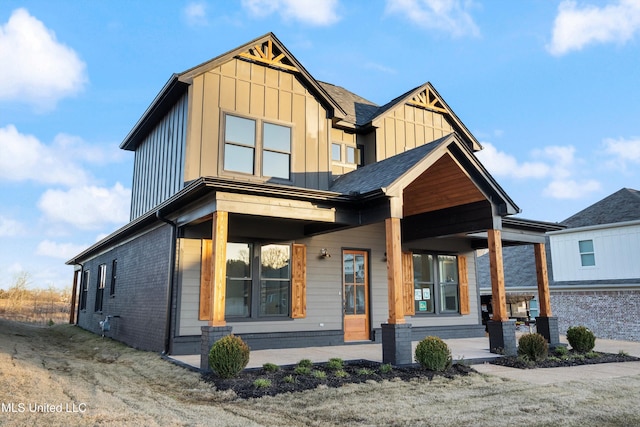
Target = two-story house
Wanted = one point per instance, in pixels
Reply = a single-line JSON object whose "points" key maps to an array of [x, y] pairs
{"points": [[293, 212]]}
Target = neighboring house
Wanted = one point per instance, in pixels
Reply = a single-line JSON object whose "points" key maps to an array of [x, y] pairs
{"points": [[293, 212], [594, 269]]}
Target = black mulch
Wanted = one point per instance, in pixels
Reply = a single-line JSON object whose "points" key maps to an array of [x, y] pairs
{"points": [[244, 387], [572, 359]]}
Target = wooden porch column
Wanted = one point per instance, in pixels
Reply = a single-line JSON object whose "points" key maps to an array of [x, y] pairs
{"points": [[219, 230], [543, 280], [72, 311], [394, 271], [499, 296]]}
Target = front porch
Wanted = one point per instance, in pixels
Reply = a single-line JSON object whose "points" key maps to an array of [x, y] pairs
{"points": [[469, 350]]}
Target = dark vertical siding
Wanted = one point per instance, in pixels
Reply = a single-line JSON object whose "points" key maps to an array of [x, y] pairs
{"points": [[159, 161]]}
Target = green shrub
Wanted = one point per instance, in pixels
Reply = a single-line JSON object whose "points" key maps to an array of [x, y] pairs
{"points": [[319, 374], [270, 367], [335, 364], [302, 370], [386, 368], [592, 355], [432, 353], [289, 379], [581, 339], [341, 373], [262, 383], [305, 363], [533, 346], [228, 356], [561, 350], [365, 372]]}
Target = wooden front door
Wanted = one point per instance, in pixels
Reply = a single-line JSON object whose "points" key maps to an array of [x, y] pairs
{"points": [[355, 291]]}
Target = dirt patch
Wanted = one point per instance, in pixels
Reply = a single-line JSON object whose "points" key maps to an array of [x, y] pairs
{"points": [[95, 381], [260, 382]]}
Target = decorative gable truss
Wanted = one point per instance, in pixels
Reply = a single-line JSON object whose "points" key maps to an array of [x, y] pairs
{"points": [[428, 99], [269, 54]]}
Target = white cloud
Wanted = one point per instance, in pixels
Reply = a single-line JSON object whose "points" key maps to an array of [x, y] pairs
{"points": [[500, 163], [571, 189], [195, 13], [450, 16], [87, 207], [10, 227], [36, 68], [25, 158], [312, 12], [623, 151], [58, 250], [576, 27]]}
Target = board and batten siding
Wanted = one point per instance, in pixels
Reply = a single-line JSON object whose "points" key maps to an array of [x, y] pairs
{"points": [[324, 286], [408, 127], [616, 250], [258, 92], [159, 161]]}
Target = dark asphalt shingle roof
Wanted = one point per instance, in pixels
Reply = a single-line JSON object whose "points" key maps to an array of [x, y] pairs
{"points": [[383, 173], [359, 110], [621, 206]]}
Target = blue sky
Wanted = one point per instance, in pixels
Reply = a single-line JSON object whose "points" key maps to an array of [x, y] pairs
{"points": [[550, 89]]}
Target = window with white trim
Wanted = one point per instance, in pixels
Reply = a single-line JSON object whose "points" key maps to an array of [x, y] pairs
{"points": [[85, 289], [257, 147], [587, 254]]}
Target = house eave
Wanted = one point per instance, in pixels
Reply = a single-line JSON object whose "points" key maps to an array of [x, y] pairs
{"points": [[568, 230]]}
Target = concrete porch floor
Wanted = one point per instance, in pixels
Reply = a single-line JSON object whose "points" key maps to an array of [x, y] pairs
{"points": [[471, 350]]}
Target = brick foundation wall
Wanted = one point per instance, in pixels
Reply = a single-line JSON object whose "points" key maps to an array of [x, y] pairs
{"points": [[141, 291], [609, 314]]}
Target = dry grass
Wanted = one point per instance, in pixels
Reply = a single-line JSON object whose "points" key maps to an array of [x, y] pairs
{"points": [[122, 386]]}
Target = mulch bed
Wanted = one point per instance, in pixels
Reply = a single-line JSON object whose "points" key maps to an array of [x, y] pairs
{"points": [[572, 359], [356, 372]]}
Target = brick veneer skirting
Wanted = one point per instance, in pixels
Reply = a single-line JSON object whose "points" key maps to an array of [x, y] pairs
{"points": [[609, 314]]}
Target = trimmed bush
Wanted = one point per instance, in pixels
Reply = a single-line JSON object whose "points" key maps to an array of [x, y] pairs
{"points": [[335, 364], [533, 346], [432, 353], [581, 339], [228, 356]]}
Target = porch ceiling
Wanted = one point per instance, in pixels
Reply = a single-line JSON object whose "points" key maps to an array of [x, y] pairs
{"points": [[444, 185]]}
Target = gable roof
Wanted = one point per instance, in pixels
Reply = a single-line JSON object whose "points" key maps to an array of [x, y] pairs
{"points": [[362, 113], [266, 49], [393, 174], [621, 206]]}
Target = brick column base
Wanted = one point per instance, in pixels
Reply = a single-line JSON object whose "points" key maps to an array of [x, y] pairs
{"points": [[548, 328], [502, 337], [396, 344], [210, 334]]}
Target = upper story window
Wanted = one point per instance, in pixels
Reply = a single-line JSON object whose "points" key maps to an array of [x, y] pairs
{"points": [[347, 154], [256, 147], [587, 255]]}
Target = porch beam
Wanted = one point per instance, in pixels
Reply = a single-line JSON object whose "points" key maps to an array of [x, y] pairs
{"points": [[499, 297], [394, 271], [220, 229], [543, 279]]}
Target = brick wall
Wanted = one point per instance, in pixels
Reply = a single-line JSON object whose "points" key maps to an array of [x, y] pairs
{"points": [[609, 314], [141, 291]]}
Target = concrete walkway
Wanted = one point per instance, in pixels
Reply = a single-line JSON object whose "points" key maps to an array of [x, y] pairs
{"points": [[469, 350]]}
